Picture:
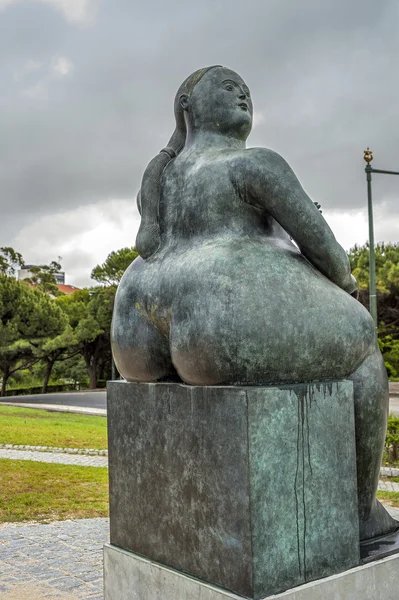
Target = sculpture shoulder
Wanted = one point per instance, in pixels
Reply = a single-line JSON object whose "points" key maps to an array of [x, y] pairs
{"points": [[260, 163], [261, 168], [264, 159]]}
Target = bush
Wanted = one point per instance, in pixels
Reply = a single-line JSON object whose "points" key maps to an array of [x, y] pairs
{"points": [[391, 449]]}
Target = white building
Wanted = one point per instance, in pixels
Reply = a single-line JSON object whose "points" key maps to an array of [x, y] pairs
{"points": [[25, 272]]}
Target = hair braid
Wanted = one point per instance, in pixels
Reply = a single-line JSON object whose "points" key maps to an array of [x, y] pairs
{"points": [[149, 237]]}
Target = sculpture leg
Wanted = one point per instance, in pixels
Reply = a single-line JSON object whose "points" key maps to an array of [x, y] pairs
{"points": [[140, 351], [371, 414]]}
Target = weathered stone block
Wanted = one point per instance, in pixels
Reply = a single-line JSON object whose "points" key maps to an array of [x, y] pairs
{"points": [[131, 577], [249, 488]]}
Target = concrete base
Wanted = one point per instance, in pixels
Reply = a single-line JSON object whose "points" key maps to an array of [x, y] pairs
{"points": [[131, 577]]}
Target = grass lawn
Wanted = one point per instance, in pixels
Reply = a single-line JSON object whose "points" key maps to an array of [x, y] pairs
{"points": [[33, 491], [390, 498], [42, 428]]}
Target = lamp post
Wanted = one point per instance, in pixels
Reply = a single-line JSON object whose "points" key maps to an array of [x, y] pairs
{"points": [[368, 157]]}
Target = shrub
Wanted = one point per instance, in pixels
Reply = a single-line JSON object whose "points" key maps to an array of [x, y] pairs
{"points": [[391, 450]]}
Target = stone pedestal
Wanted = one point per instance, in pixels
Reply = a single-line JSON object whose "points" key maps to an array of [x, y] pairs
{"points": [[131, 577], [252, 489]]}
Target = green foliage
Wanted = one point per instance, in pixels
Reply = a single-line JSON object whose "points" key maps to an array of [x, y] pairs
{"points": [[60, 347], [390, 351], [90, 313], [386, 264], [71, 370], [391, 449], [27, 316], [387, 283], [116, 263], [44, 277], [9, 260], [42, 330]]}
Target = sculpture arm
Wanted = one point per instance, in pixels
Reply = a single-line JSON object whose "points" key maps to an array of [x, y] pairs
{"points": [[272, 185]]}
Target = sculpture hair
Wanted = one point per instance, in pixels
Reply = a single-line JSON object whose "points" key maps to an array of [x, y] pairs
{"points": [[149, 237]]}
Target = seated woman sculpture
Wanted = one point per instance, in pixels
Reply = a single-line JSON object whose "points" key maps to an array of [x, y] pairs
{"points": [[221, 294]]}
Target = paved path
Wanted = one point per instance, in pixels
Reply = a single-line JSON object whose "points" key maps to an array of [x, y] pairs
{"points": [[61, 560], [82, 410], [394, 404], [66, 450], [58, 561], [58, 458], [89, 403], [388, 486], [93, 399], [394, 388]]}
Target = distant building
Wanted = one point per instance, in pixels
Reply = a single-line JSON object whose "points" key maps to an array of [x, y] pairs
{"points": [[64, 289], [67, 289], [25, 272]]}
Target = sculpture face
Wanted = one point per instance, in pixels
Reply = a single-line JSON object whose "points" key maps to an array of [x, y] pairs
{"points": [[221, 102]]}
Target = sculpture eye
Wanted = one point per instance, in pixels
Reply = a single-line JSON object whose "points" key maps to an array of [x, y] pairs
{"points": [[229, 87], [246, 90]]}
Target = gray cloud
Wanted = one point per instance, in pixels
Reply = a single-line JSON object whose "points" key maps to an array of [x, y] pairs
{"points": [[322, 76]]}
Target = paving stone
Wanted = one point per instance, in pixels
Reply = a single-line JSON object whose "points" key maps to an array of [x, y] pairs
{"points": [[75, 557], [57, 458], [388, 486], [66, 583], [47, 575], [91, 577], [74, 549]]}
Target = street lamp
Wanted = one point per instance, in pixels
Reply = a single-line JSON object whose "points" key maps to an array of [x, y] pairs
{"points": [[368, 157]]}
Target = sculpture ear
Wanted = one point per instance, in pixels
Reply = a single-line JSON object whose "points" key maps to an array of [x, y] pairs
{"points": [[184, 101]]}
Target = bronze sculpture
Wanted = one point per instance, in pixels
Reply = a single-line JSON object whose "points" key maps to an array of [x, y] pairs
{"points": [[222, 296]]}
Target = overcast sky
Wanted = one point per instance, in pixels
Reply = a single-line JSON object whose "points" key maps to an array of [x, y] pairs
{"points": [[87, 89]]}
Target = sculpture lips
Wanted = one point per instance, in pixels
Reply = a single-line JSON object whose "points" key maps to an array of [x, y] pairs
{"points": [[243, 105]]}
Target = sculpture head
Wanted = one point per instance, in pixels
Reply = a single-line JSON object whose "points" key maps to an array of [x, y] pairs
{"points": [[220, 102], [212, 99]]}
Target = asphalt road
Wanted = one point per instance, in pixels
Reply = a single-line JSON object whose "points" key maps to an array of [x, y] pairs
{"points": [[82, 399], [98, 400], [394, 404]]}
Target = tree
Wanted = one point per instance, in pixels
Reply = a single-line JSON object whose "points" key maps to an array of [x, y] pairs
{"points": [[53, 349], [10, 260], [26, 317], [71, 369], [386, 263], [387, 284], [43, 276], [90, 313], [116, 263]]}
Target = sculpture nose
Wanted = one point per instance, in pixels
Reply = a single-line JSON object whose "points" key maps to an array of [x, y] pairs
{"points": [[242, 95]]}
